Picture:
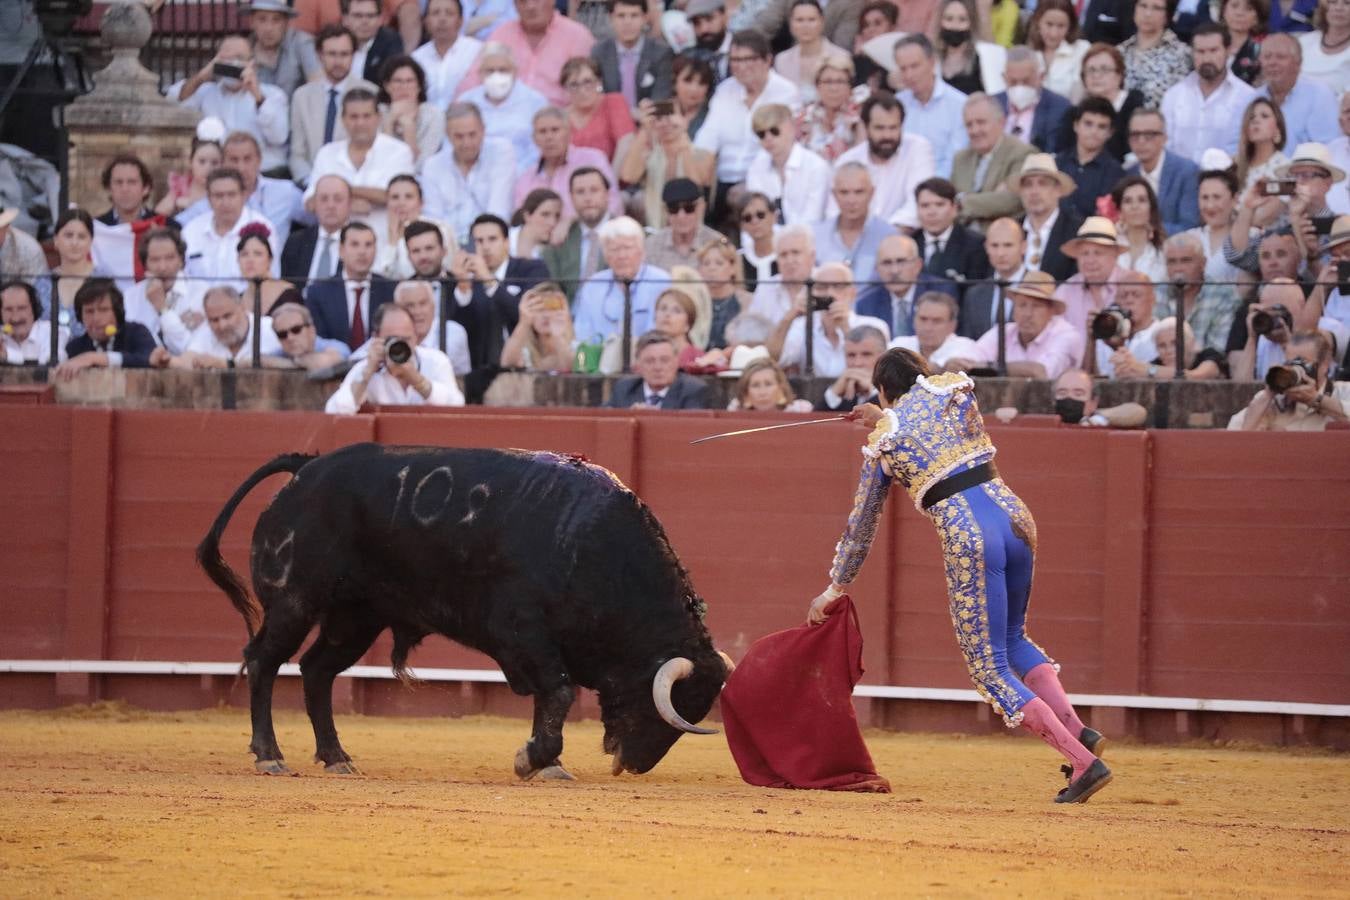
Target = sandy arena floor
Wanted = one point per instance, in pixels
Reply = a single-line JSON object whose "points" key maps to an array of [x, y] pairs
{"points": [[113, 802]]}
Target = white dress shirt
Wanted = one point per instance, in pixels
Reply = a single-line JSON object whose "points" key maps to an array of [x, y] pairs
{"points": [[216, 256], [939, 120], [1140, 345], [387, 157], [1196, 122], [894, 180], [457, 199], [727, 132], [167, 327], [269, 121], [829, 360], [444, 72], [511, 120], [36, 348], [802, 190], [205, 341], [384, 389], [954, 347], [457, 340]]}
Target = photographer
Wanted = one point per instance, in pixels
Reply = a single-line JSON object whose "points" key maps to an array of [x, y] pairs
{"points": [[1297, 395], [1328, 306], [1123, 332], [1305, 181], [392, 370], [1270, 322]]}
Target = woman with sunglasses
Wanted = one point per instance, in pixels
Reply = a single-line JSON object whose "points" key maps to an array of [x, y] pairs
{"points": [[758, 227], [783, 169]]}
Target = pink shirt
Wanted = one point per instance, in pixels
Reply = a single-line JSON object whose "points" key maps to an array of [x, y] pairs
{"points": [[541, 67], [1058, 347], [607, 125], [1079, 304], [577, 157]]}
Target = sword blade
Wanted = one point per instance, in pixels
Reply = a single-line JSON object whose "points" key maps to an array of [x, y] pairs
{"points": [[727, 434]]}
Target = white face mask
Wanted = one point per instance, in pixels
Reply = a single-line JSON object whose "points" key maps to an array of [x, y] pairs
{"points": [[1021, 95], [497, 85]]}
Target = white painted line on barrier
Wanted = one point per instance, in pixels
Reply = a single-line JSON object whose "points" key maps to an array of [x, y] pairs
{"points": [[493, 676]]}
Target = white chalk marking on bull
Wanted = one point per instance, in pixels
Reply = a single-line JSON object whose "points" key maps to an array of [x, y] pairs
{"points": [[273, 555], [428, 517], [478, 498], [402, 483]]}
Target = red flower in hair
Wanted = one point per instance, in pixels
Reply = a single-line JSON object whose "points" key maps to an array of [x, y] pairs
{"points": [[255, 229], [1106, 206]]}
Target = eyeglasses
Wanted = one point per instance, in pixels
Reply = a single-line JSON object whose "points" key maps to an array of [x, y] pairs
{"points": [[743, 60], [754, 215], [688, 207], [1101, 70], [283, 333], [1146, 135], [576, 87], [771, 130], [1309, 175]]}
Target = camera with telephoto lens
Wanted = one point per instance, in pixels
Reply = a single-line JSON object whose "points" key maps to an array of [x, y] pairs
{"points": [[1290, 374], [1112, 325], [1265, 320], [397, 350], [821, 302]]}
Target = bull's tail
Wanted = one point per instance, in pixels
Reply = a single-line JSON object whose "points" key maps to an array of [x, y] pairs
{"points": [[208, 551]]}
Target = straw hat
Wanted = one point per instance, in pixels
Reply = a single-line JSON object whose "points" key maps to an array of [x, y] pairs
{"points": [[1311, 154], [1340, 232], [282, 6], [1042, 164], [743, 356], [1097, 230], [1038, 286]]}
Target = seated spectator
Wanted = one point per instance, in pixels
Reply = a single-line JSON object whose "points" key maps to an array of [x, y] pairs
{"points": [[980, 171], [1279, 261], [1053, 32], [558, 158], [283, 56], [72, 238], [1048, 222], [1103, 76], [598, 120], [1203, 364], [256, 266], [165, 303], [311, 253], [719, 265], [506, 103], [366, 160], [483, 17], [1260, 151], [677, 244], [1155, 58], [109, 340], [853, 236], [129, 185], [1248, 23], [801, 62], [949, 250], [659, 152], [1039, 342], [1339, 196], [935, 337], [793, 177], [966, 63], [686, 280], [1310, 405], [541, 40], [375, 43], [694, 83], [426, 378], [403, 209], [599, 304], [213, 239], [1208, 307], [831, 123], [241, 101], [932, 107], [186, 189], [535, 222], [25, 339], [1328, 306], [853, 387], [428, 248], [897, 162], [1005, 245], [1203, 106], [405, 112], [448, 55], [1034, 113], [1326, 49], [1130, 351], [659, 383], [901, 281], [1140, 227], [301, 347], [878, 30], [1097, 249], [795, 248], [1269, 328], [630, 67], [1174, 179], [768, 19], [764, 387], [1314, 174], [1304, 101], [1218, 206], [20, 255], [759, 234], [342, 308], [417, 299], [314, 106], [470, 176], [227, 340], [674, 317], [1077, 397], [833, 295], [277, 199], [578, 257], [543, 340], [1093, 169]]}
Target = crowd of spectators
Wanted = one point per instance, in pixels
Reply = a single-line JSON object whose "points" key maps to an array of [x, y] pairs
{"points": [[1031, 188]]}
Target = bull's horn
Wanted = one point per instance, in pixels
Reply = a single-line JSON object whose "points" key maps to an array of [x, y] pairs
{"points": [[731, 666], [666, 676]]}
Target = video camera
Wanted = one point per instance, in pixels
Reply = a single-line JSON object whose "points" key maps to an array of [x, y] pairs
{"points": [[1112, 326], [1265, 320], [1290, 374]]}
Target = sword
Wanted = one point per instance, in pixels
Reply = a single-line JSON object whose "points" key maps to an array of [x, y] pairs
{"points": [[727, 434]]}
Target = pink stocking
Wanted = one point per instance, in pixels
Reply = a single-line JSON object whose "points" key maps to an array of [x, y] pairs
{"points": [[1040, 720], [1044, 682]]}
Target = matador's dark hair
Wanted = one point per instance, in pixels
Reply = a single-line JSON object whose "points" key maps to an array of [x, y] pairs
{"points": [[896, 372]]}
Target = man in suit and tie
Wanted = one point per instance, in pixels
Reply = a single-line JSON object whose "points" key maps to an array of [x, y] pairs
{"points": [[659, 383], [579, 257], [639, 68], [311, 253], [1175, 179], [341, 308], [949, 250], [980, 171], [374, 42], [1033, 114], [1050, 221], [1005, 244], [902, 280], [427, 252], [315, 106]]}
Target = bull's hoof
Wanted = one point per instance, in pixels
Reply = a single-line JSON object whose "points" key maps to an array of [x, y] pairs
{"points": [[342, 768], [554, 773], [271, 767]]}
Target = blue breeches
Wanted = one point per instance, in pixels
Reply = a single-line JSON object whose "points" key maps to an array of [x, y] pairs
{"points": [[989, 550]]}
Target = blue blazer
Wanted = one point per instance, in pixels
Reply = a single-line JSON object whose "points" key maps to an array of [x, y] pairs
{"points": [[327, 303], [876, 300], [1046, 121], [133, 340], [1179, 193]]}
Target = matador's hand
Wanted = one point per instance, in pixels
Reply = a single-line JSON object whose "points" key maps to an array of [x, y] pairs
{"points": [[868, 414], [820, 607]]}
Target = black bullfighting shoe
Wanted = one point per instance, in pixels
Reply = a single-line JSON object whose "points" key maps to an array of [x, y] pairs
{"points": [[1090, 782], [1093, 740]]}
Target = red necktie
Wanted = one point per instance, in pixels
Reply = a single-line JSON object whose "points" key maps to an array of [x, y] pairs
{"points": [[358, 327]]}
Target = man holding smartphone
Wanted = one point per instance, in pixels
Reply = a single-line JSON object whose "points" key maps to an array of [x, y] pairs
{"points": [[1310, 175]]}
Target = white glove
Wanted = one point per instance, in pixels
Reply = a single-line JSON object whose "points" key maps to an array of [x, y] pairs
{"points": [[816, 614]]}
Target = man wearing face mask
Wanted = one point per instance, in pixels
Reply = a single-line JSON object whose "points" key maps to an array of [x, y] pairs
{"points": [[228, 87], [1076, 403], [1310, 404], [1033, 114], [507, 105], [540, 41]]}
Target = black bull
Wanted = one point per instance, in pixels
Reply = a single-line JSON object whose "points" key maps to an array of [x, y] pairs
{"points": [[546, 563]]}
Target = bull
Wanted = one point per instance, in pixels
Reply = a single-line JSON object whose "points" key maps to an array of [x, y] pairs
{"points": [[544, 562]]}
